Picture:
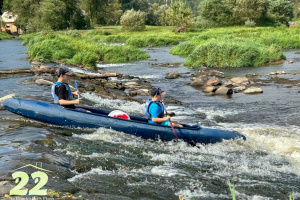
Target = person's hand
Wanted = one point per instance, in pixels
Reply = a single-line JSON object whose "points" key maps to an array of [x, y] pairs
{"points": [[168, 117], [76, 92], [77, 101]]}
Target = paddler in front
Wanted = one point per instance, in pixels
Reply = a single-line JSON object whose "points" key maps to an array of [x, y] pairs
{"points": [[61, 91]]}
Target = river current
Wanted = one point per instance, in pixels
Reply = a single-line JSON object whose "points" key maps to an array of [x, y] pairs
{"points": [[119, 166]]}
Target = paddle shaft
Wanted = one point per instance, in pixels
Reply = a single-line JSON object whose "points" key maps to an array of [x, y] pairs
{"points": [[171, 124], [76, 89]]}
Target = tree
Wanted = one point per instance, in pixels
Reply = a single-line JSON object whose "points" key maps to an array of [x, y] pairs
{"points": [[1, 6], [6, 5], [297, 8], [26, 12], [51, 14], [112, 12], [180, 15], [217, 11], [141, 5], [281, 10], [94, 9], [244, 10], [161, 14], [133, 20]]}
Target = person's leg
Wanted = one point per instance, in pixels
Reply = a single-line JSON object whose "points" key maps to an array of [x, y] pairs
{"points": [[176, 124]]}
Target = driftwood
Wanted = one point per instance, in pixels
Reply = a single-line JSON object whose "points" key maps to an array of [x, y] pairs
{"points": [[19, 71], [6, 179], [90, 76]]}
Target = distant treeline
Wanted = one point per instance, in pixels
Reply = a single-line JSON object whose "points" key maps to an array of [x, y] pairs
{"points": [[40, 15]]}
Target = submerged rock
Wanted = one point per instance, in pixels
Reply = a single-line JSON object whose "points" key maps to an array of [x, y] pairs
{"points": [[172, 75], [253, 90], [43, 82]]}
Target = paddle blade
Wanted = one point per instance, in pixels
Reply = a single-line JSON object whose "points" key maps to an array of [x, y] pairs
{"points": [[76, 85], [7, 97]]}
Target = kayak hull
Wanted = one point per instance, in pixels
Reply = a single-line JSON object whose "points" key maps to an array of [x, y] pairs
{"points": [[58, 115]]}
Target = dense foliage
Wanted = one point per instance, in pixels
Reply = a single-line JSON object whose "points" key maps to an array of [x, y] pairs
{"points": [[37, 15], [133, 20]]}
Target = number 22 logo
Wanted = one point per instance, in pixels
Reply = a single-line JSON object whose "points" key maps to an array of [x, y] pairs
{"points": [[22, 178]]}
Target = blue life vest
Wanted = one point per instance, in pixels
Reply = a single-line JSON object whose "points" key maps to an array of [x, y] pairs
{"points": [[147, 106], [57, 84]]}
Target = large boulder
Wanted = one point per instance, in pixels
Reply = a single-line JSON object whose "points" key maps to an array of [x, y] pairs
{"points": [[200, 81], [239, 89], [253, 90], [209, 89], [143, 92], [238, 81], [224, 91], [214, 81]]}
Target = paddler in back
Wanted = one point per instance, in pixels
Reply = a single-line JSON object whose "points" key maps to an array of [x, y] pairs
{"points": [[61, 91]]}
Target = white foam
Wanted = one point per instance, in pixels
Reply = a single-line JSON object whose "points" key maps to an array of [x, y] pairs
{"points": [[114, 65], [168, 171], [126, 106], [98, 171], [274, 140], [79, 70], [198, 191]]}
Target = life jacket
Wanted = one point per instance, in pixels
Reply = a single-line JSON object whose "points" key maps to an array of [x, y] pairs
{"points": [[57, 84], [147, 106]]}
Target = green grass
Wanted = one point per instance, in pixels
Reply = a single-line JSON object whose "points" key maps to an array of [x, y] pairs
{"points": [[4, 36], [151, 41], [216, 47]]}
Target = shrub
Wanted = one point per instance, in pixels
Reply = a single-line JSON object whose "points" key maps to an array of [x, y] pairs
{"points": [[133, 20], [184, 48], [85, 58], [233, 53], [73, 33], [4, 36], [250, 23]]}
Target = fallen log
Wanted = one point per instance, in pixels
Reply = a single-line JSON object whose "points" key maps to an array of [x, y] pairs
{"points": [[95, 76], [19, 71]]}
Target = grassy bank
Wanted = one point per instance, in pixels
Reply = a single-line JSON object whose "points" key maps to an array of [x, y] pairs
{"points": [[4, 36], [217, 47], [89, 47], [77, 50], [238, 46]]}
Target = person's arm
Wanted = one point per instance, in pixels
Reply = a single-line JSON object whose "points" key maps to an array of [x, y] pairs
{"points": [[154, 111], [160, 120], [62, 94], [64, 102]]}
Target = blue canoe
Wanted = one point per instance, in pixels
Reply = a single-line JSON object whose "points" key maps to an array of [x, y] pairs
{"points": [[138, 126]]}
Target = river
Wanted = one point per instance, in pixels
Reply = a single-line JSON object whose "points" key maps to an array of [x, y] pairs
{"points": [[105, 164]]}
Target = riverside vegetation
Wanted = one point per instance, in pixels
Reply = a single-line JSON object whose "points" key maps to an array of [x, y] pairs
{"points": [[215, 47], [4, 36]]}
